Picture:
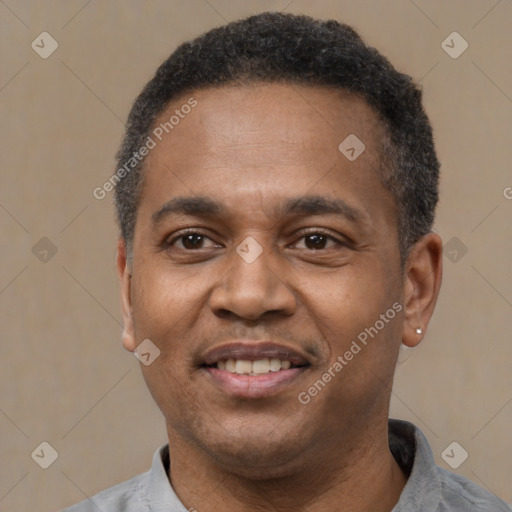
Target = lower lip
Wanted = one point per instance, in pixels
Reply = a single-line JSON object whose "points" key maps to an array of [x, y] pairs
{"points": [[253, 386]]}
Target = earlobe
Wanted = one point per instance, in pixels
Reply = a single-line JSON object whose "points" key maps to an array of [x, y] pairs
{"points": [[422, 281], [124, 274], [128, 339]]}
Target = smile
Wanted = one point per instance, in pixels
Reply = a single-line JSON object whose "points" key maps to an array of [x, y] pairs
{"points": [[247, 369], [258, 367]]}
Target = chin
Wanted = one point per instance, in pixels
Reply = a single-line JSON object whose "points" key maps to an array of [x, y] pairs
{"points": [[255, 462], [270, 453]]}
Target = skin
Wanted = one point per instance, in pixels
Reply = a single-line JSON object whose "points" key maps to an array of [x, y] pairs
{"points": [[252, 148]]}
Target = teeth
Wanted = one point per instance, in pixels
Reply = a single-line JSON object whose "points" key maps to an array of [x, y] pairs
{"points": [[258, 367], [275, 365], [261, 366], [242, 366]]}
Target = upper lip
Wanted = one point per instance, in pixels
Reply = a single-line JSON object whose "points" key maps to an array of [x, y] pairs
{"points": [[252, 351]]}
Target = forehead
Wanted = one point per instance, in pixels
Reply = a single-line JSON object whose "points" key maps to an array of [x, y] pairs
{"points": [[250, 116], [265, 140]]}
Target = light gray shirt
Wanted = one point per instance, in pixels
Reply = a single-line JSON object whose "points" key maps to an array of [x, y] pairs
{"points": [[428, 489]]}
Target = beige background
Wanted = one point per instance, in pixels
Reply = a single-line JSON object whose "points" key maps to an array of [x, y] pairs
{"points": [[65, 378]]}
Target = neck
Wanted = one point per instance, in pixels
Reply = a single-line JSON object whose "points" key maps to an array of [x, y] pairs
{"points": [[362, 477]]}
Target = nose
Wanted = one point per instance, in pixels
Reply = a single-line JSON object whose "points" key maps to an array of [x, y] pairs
{"points": [[252, 290]]}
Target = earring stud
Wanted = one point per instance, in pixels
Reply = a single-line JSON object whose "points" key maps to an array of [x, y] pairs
{"points": [[419, 330]]}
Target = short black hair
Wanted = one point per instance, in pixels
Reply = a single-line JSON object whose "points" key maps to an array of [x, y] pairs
{"points": [[296, 49]]}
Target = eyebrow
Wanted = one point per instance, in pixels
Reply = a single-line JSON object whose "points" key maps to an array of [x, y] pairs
{"points": [[194, 206], [320, 205], [201, 206]]}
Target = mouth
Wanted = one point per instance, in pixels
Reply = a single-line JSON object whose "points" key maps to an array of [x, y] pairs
{"points": [[257, 367], [253, 370]]}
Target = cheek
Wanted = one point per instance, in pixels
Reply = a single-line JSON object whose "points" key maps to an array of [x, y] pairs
{"points": [[355, 315], [169, 385], [165, 307], [348, 299], [163, 301]]}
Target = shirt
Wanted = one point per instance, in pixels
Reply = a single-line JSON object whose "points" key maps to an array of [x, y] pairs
{"points": [[428, 489]]}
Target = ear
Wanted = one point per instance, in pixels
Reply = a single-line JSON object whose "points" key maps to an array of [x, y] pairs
{"points": [[422, 281], [125, 275]]}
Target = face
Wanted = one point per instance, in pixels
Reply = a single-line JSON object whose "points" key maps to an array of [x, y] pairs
{"points": [[261, 255]]}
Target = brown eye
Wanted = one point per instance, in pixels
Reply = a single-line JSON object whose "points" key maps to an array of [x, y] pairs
{"points": [[315, 241], [189, 241], [192, 241]]}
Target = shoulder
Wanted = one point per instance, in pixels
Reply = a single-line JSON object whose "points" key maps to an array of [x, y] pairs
{"points": [[129, 496], [460, 494], [429, 486]]}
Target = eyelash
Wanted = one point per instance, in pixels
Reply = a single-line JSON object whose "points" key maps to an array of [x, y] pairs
{"points": [[191, 231], [322, 232], [196, 231]]}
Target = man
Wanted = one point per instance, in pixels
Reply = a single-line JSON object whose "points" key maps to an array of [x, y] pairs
{"points": [[275, 193]]}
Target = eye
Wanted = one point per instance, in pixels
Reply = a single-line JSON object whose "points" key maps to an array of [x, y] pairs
{"points": [[317, 240], [192, 240]]}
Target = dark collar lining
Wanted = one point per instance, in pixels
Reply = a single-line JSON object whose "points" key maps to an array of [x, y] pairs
{"points": [[402, 443]]}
